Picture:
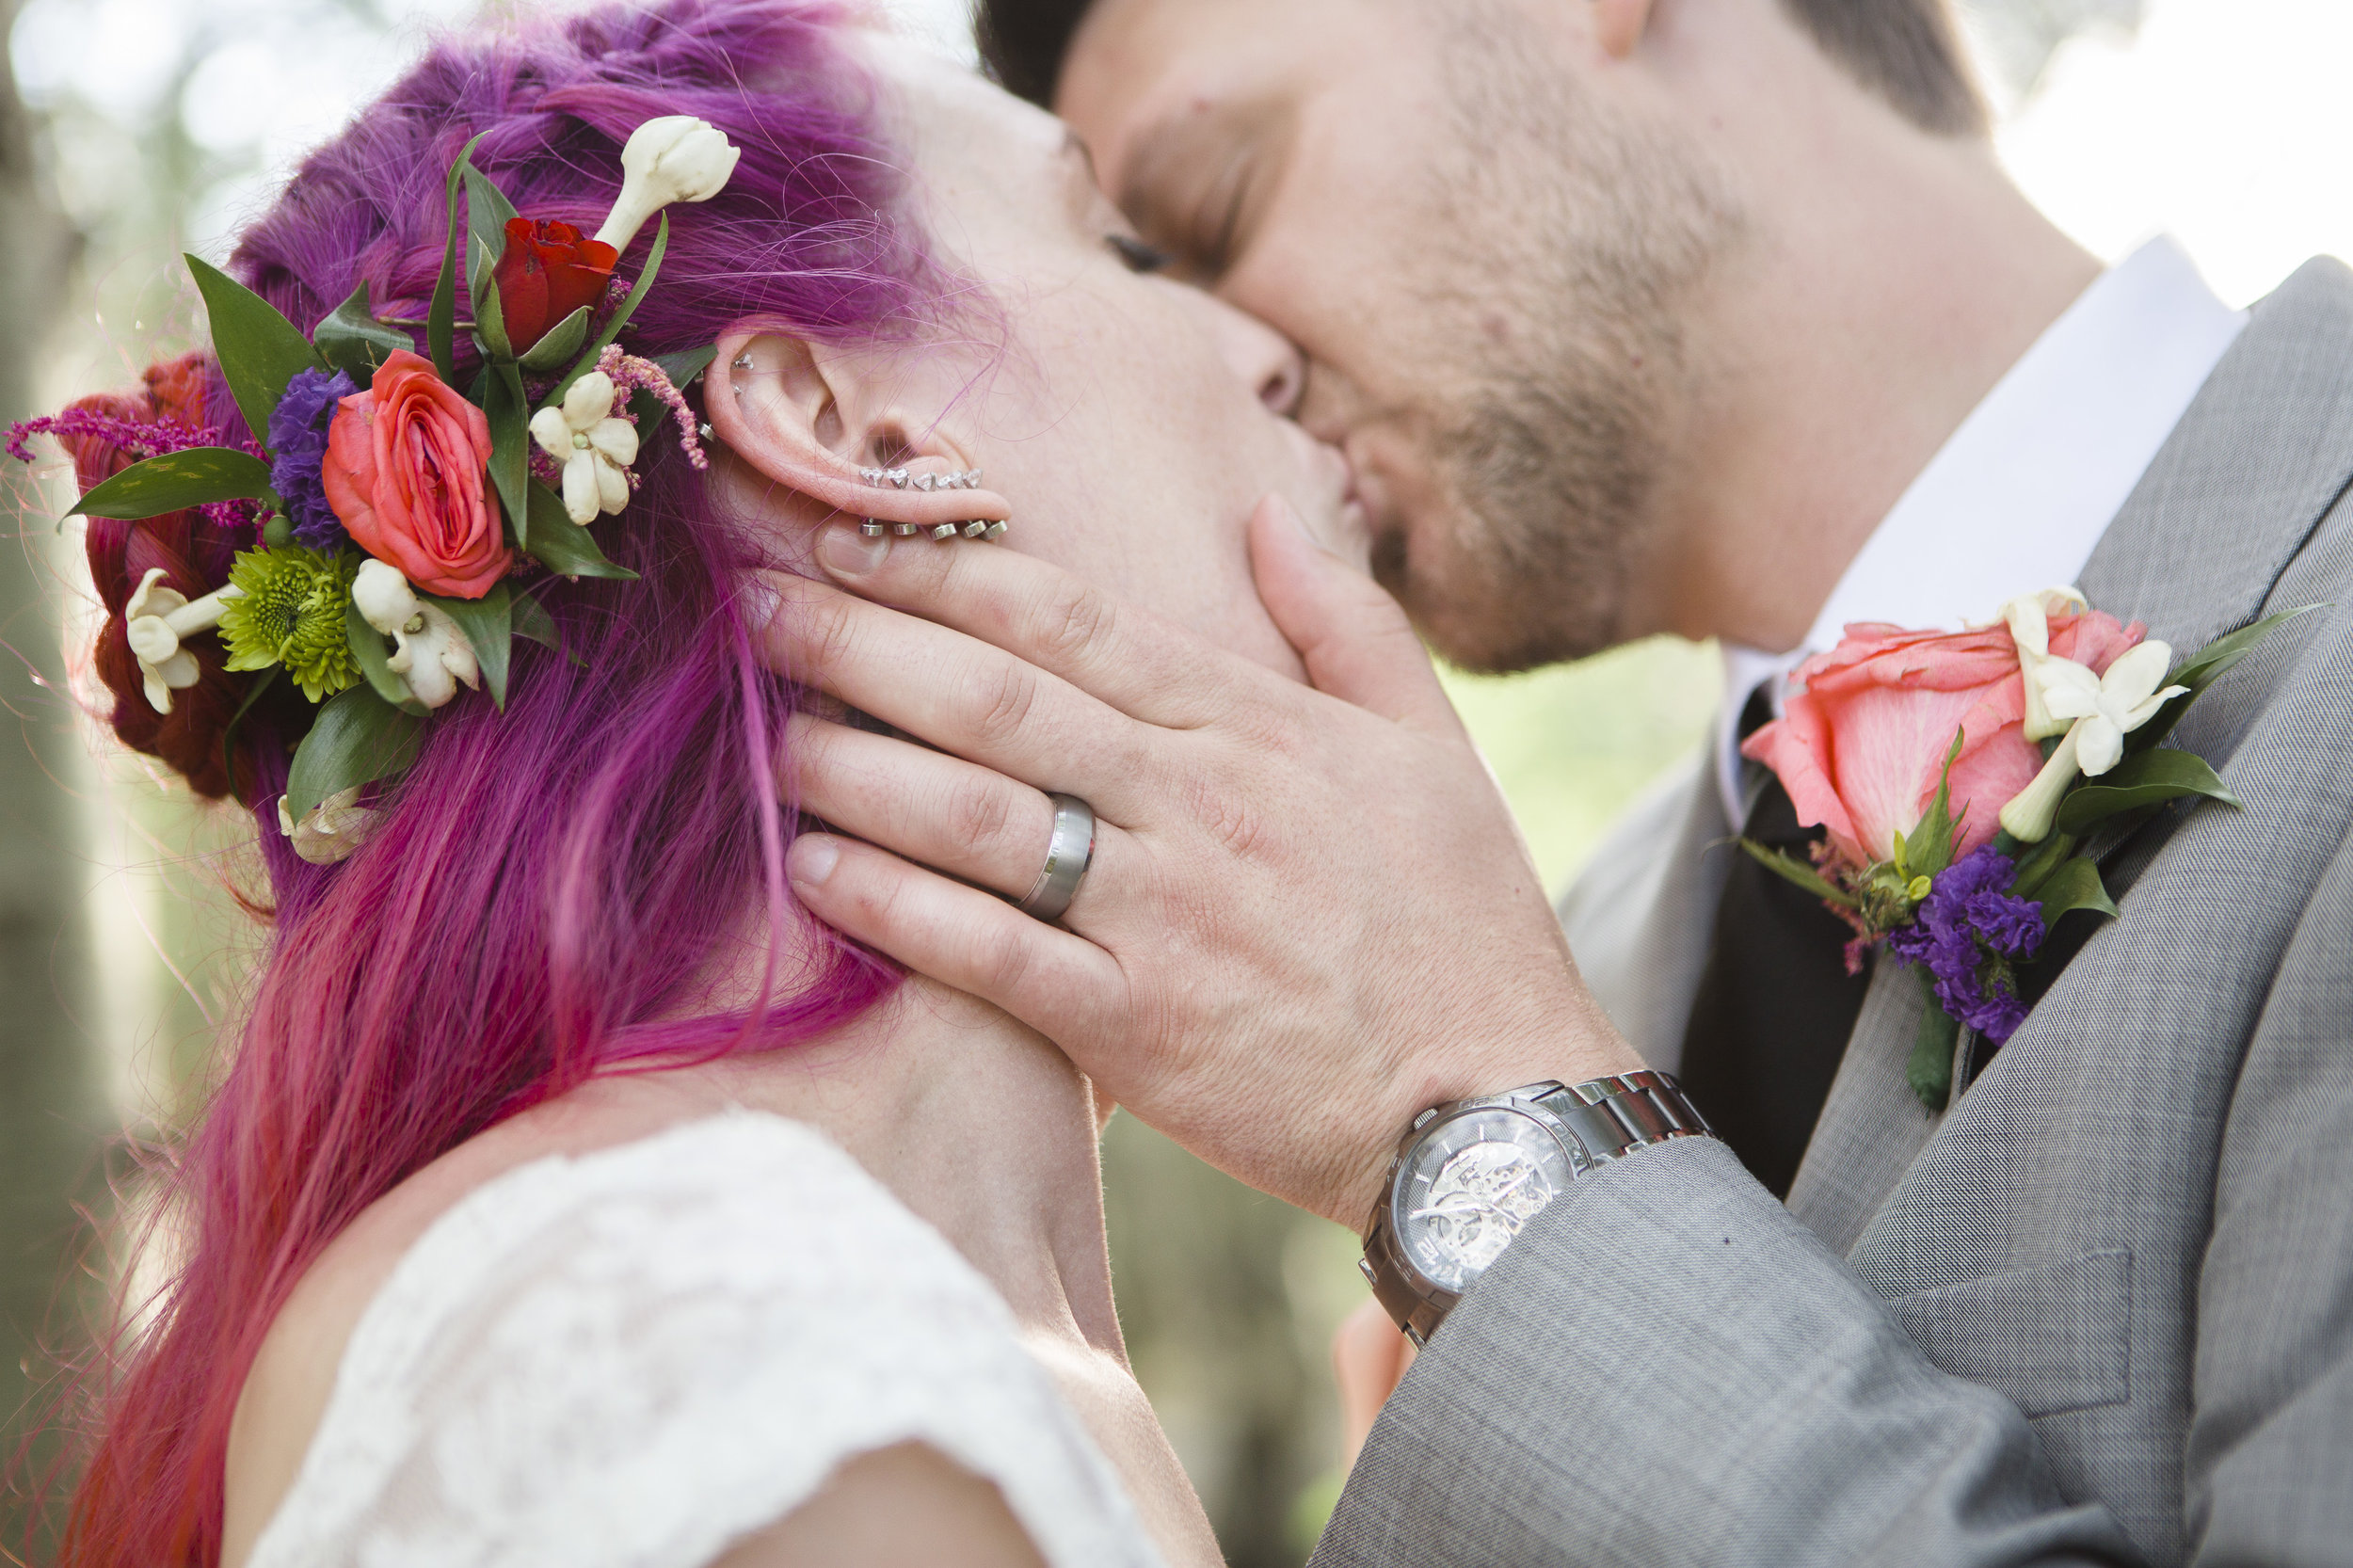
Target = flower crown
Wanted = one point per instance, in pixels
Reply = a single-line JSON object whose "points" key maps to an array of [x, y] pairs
{"points": [[392, 506]]}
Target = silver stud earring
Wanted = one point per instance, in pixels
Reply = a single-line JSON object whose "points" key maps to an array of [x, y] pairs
{"points": [[872, 528], [744, 362]]}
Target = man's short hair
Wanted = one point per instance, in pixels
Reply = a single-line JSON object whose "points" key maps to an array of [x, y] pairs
{"points": [[1906, 51]]}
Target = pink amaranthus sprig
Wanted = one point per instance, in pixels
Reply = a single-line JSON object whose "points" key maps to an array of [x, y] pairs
{"points": [[140, 439], [1960, 861]]}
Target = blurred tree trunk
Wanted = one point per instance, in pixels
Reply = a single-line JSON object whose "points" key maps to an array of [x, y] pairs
{"points": [[1224, 1340], [51, 1109]]}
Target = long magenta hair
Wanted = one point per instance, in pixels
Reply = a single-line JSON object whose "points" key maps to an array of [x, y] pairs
{"points": [[550, 885]]}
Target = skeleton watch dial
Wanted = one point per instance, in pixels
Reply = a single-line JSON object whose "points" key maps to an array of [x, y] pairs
{"points": [[1472, 1180]]}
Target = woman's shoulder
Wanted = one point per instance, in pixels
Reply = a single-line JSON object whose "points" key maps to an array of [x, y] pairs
{"points": [[640, 1352]]}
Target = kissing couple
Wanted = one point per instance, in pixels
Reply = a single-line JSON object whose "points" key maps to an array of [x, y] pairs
{"points": [[767, 721]]}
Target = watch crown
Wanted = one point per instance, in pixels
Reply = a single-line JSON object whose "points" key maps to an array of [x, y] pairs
{"points": [[1423, 1120]]}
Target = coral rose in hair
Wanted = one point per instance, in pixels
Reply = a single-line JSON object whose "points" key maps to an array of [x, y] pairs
{"points": [[1861, 746], [405, 471]]}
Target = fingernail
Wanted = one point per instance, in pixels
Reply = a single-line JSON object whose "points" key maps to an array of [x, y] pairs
{"points": [[845, 551], [759, 601], [812, 860]]}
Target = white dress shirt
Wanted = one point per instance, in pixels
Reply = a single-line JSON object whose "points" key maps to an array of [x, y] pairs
{"points": [[2019, 496]]}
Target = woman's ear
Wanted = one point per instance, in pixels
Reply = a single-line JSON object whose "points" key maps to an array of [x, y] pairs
{"points": [[810, 419]]}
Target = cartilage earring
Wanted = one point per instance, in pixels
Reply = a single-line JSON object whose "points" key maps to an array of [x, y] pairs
{"points": [[872, 528], [744, 362]]}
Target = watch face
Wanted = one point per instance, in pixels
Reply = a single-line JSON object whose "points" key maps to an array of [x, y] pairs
{"points": [[1471, 1181]]}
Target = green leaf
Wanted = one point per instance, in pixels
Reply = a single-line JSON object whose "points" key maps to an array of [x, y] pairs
{"points": [[558, 343], [177, 479], [488, 625], [2205, 667], [1786, 865], [587, 361], [531, 621], [2075, 884], [2034, 868], [487, 211], [356, 739], [684, 367], [1929, 1070], [2149, 778], [562, 545], [355, 342], [441, 326], [259, 350], [367, 646], [508, 413], [1929, 848], [489, 324]]}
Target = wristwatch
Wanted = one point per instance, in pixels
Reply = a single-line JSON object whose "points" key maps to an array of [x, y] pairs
{"points": [[1470, 1173]]}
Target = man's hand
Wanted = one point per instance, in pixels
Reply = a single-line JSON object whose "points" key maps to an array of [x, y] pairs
{"points": [[1308, 914]]}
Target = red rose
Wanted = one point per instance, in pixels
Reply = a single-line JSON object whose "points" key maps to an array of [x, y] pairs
{"points": [[1861, 746], [547, 272], [406, 471]]}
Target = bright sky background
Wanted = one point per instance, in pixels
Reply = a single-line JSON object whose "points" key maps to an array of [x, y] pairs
{"points": [[2223, 122]]}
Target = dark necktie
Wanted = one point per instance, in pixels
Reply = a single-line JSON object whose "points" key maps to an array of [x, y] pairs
{"points": [[1775, 1004]]}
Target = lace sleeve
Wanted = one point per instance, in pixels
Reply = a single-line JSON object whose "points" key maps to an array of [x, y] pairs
{"points": [[640, 1356]]}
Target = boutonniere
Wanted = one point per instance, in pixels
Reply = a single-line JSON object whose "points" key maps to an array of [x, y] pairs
{"points": [[1957, 776]]}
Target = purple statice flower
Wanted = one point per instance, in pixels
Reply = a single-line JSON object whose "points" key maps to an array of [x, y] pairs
{"points": [[298, 441], [1968, 932]]}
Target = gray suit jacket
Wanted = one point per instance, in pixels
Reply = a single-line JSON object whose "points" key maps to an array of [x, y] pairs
{"points": [[2099, 1311]]}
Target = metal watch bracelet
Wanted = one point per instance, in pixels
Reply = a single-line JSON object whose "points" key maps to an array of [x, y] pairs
{"points": [[1593, 1123]]}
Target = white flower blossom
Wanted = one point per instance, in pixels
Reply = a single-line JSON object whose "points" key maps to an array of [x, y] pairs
{"points": [[674, 158], [595, 448], [330, 831], [155, 621], [433, 655], [2100, 711], [2028, 617]]}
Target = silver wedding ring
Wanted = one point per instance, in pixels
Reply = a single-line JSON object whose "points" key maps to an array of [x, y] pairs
{"points": [[1068, 855]]}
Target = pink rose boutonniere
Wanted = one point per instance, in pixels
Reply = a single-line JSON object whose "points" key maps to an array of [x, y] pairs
{"points": [[1953, 774], [406, 472]]}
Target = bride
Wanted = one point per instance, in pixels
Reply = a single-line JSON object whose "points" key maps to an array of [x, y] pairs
{"points": [[570, 1197]]}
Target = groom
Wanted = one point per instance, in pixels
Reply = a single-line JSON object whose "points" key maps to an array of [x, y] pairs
{"points": [[1714, 317]]}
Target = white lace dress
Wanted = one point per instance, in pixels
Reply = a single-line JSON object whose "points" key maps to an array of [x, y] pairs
{"points": [[635, 1358]]}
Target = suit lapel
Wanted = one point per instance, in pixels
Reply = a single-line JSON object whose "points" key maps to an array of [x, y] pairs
{"points": [[2264, 452]]}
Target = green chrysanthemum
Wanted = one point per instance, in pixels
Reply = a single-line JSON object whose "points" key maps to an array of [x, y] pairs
{"points": [[291, 612]]}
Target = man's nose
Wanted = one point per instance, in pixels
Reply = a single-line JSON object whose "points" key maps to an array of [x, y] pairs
{"points": [[1262, 357]]}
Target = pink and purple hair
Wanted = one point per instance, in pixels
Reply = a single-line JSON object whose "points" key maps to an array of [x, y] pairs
{"points": [[550, 885]]}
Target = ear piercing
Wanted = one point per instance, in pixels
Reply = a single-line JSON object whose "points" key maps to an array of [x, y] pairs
{"points": [[744, 362], [901, 479]]}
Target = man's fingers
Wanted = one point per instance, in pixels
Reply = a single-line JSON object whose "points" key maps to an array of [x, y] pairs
{"points": [[1354, 639], [959, 936], [930, 807], [959, 694], [1138, 663]]}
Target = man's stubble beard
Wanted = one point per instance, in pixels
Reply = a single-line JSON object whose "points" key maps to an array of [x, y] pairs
{"points": [[1558, 350]]}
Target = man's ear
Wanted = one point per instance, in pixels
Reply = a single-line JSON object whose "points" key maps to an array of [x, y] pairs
{"points": [[1618, 25], [809, 420]]}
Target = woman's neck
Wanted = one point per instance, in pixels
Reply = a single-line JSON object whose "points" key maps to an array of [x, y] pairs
{"points": [[975, 1123]]}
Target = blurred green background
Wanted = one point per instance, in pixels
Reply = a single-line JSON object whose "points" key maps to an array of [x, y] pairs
{"points": [[133, 129]]}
